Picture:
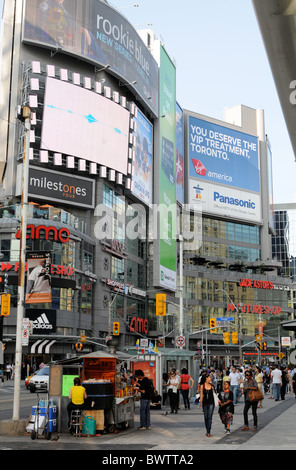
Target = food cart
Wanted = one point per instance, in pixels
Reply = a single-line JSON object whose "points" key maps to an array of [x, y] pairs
{"points": [[110, 399], [109, 394]]}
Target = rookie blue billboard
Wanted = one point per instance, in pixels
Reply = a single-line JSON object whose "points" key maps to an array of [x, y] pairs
{"points": [[223, 156], [96, 33]]}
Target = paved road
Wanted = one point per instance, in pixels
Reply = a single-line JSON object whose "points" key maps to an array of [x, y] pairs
{"points": [[181, 433]]}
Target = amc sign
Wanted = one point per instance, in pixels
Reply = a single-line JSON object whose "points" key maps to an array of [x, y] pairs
{"points": [[61, 234], [139, 325]]}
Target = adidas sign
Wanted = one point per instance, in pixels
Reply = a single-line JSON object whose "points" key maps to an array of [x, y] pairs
{"points": [[42, 323]]}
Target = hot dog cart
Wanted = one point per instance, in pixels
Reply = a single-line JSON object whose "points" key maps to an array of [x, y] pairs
{"points": [[110, 400]]}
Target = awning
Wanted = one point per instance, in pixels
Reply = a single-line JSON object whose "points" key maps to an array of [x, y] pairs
{"points": [[289, 325], [40, 344]]}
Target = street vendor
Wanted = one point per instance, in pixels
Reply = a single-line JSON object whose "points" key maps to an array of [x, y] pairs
{"points": [[77, 395]]}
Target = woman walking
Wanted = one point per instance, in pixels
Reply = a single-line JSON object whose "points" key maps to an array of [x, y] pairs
{"points": [[250, 384], [259, 380], [207, 401]]}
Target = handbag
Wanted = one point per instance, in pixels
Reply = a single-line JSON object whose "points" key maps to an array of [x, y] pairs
{"points": [[216, 399], [255, 395]]}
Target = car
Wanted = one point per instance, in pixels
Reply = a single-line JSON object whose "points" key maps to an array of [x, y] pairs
{"points": [[27, 380], [39, 381]]}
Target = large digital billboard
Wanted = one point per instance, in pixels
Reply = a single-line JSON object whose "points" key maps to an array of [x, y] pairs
{"points": [[167, 182], [97, 33], [143, 165], [224, 172], [84, 124]]}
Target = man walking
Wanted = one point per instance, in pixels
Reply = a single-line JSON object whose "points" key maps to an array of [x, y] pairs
{"points": [[234, 383], [276, 375]]}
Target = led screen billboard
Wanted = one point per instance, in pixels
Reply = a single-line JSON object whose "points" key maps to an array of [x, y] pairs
{"points": [[143, 169], [81, 123], [97, 33]]}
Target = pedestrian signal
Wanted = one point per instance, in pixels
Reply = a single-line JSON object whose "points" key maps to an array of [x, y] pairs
{"points": [[213, 325], [116, 326], [264, 346], [234, 337], [160, 304], [226, 337]]}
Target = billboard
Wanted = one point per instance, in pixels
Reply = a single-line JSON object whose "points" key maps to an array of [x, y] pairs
{"points": [[179, 155], [224, 173], [61, 187], [38, 289], [143, 167], [84, 124], [97, 33], [167, 178]]}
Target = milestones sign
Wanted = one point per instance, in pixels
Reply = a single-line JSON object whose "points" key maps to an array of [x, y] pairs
{"points": [[61, 187]]}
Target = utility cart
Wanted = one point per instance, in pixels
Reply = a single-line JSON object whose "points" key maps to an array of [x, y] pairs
{"points": [[43, 419]]}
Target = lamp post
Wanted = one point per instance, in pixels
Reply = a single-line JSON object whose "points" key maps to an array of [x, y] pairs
{"points": [[26, 115]]}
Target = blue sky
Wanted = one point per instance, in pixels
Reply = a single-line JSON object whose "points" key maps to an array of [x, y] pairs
{"points": [[221, 62]]}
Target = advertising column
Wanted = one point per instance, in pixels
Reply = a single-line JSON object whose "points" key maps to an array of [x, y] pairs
{"points": [[166, 186]]}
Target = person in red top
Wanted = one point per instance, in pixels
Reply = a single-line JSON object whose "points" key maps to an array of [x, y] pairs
{"points": [[185, 379]]}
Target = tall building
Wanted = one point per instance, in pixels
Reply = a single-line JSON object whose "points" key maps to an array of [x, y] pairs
{"points": [[118, 172]]}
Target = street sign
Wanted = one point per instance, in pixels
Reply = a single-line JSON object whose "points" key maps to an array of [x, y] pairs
{"points": [[281, 355], [25, 337], [225, 319], [180, 341]]}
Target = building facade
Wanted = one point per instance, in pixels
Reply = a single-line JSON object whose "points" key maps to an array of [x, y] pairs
{"points": [[117, 172]]}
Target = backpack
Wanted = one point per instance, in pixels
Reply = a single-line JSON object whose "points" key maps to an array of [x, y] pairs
{"points": [[150, 389]]}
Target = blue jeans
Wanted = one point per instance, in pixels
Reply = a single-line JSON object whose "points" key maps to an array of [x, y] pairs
{"points": [[145, 414], [208, 415], [276, 391], [234, 389]]}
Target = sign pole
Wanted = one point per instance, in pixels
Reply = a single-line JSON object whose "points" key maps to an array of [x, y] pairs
{"points": [[26, 115]]}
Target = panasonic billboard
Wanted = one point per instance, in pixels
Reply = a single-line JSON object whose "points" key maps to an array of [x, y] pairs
{"points": [[223, 170]]}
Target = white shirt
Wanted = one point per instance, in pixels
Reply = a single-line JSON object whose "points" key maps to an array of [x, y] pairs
{"points": [[276, 376], [234, 378]]}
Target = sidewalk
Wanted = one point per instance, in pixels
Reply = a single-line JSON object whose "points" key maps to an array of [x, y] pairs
{"points": [[186, 431]]}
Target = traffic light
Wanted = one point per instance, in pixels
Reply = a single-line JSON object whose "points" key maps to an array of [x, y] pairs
{"points": [[226, 337], [160, 304], [5, 305], [234, 337], [213, 325], [116, 326], [264, 346]]}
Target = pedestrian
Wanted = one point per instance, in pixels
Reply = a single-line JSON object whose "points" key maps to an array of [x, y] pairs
{"points": [[276, 375], [8, 371], [165, 379], [185, 387], [226, 407], [271, 383], [250, 384], [77, 395], [294, 383], [155, 403], [285, 381], [220, 380], [173, 385], [207, 401], [144, 386], [259, 380], [234, 383]]}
